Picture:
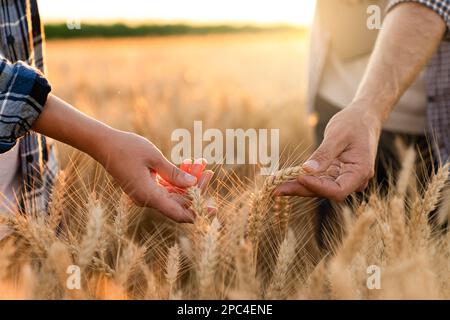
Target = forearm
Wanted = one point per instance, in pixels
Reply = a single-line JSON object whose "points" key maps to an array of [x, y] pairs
{"points": [[62, 122], [411, 34]]}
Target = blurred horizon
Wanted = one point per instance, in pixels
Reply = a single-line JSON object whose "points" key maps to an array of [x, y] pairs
{"points": [[193, 12]]}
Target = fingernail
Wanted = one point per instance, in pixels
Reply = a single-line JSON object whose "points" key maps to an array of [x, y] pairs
{"points": [[311, 165], [190, 179]]}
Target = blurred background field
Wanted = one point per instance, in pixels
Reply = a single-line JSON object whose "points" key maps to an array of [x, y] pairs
{"points": [[153, 85], [245, 73]]}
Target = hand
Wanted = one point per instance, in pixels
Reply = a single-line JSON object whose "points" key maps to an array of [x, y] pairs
{"points": [[344, 162], [138, 166], [132, 160]]}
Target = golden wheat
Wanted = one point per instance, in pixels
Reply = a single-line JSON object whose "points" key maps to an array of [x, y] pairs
{"points": [[246, 250]]}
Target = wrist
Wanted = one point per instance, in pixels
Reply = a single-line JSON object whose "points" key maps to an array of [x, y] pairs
{"points": [[376, 109], [100, 145], [372, 118]]}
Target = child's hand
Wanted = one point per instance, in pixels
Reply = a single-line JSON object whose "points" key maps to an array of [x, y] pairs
{"points": [[136, 164], [131, 159], [197, 169]]}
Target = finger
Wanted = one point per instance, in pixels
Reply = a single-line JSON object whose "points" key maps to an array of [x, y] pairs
{"points": [[204, 180], [292, 188], [324, 187], [173, 175], [334, 170], [170, 188], [152, 195], [171, 208], [175, 190], [197, 167], [332, 189], [180, 199], [186, 165], [324, 156], [203, 183]]}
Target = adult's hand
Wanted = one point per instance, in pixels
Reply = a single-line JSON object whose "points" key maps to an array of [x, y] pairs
{"points": [[345, 160]]}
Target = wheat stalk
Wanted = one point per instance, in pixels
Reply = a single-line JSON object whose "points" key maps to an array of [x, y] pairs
{"points": [[433, 191], [406, 172], [397, 227], [56, 206], [341, 281]]}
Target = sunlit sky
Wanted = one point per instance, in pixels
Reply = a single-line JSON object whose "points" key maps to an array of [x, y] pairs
{"points": [[298, 12]]}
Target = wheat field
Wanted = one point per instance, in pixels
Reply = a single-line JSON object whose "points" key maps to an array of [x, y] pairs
{"points": [[256, 246]]}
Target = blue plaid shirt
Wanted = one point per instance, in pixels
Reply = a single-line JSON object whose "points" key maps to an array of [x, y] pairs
{"points": [[23, 93]]}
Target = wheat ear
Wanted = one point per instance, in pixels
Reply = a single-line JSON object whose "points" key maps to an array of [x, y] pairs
{"points": [[198, 202], [278, 285], [433, 193], [60, 258], [172, 268], [341, 281], [317, 282], [281, 212], [208, 260], [248, 286], [279, 177], [90, 241], [261, 199], [419, 227]]}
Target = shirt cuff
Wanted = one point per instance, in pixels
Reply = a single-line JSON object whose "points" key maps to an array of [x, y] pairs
{"points": [[441, 7], [5, 146], [23, 94]]}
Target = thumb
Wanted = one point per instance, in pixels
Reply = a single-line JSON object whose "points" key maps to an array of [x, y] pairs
{"points": [[323, 157], [174, 175]]}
